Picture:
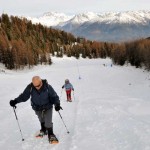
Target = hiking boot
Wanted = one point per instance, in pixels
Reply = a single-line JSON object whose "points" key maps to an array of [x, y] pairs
{"points": [[43, 127]]}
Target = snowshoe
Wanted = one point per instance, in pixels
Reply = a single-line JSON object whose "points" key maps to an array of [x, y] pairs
{"points": [[41, 134], [53, 139], [69, 100]]}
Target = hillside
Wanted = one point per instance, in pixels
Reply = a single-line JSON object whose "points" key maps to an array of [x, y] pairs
{"points": [[110, 108], [23, 43]]}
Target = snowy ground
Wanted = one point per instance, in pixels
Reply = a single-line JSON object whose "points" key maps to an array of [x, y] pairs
{"points": [[110, 108]]}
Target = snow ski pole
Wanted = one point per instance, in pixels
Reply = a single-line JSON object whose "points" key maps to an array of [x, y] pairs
{"points": [[18, 123], [63, 122]]}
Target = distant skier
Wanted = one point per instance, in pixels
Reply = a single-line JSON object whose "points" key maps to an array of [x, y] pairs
{"points": [[43, 97], [68, 87]]}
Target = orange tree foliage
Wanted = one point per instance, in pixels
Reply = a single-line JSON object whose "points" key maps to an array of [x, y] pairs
{"points": [[25, 44]]}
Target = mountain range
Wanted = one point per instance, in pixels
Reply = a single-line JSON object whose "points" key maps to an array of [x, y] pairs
{"points": [[108, 26]]}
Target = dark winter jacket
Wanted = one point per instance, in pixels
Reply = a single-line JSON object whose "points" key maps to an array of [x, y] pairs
{"points": [[42, 99]]}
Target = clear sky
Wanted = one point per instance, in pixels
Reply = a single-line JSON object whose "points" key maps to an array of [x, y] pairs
{"points": [[38, 7]]}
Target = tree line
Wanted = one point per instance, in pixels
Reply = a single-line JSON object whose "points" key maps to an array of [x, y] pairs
{"points": [[25, 44]]}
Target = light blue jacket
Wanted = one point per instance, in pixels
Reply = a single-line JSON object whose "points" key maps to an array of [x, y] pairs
{"points": [[68, 86]]}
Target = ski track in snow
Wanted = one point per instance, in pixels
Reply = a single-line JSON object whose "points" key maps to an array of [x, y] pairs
{"points": [[110, 108]]}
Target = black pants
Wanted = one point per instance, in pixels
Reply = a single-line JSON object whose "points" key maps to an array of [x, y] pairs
{"points": [[45, 116]]}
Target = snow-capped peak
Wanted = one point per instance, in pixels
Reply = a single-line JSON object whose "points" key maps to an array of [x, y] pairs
{"points": [[51, 18], [83, 17], [125, 17], [55, 18]]}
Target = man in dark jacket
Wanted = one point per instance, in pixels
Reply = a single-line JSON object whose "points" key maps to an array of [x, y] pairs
{"points": [[43, 97]]}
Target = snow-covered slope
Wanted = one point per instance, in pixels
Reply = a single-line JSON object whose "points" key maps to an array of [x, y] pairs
{"points": [[110, 108]]}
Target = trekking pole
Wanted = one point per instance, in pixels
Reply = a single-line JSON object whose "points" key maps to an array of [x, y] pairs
{"points": [[18, 123], [61, 94], [73, 96], [63, 122], [78, 71]]}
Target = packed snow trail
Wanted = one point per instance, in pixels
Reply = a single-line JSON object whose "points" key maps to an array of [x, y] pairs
{"points": [[110, 109]]}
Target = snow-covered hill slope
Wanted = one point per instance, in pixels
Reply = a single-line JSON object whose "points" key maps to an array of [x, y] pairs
{"points": [[110, 108]]}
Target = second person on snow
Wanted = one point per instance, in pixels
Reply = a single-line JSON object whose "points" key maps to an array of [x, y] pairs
{"points": [[68, 87]]}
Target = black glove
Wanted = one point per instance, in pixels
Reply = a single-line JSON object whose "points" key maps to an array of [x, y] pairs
{"points": [[13, 103], [73, 89], [58, 107], [62, 86]]}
